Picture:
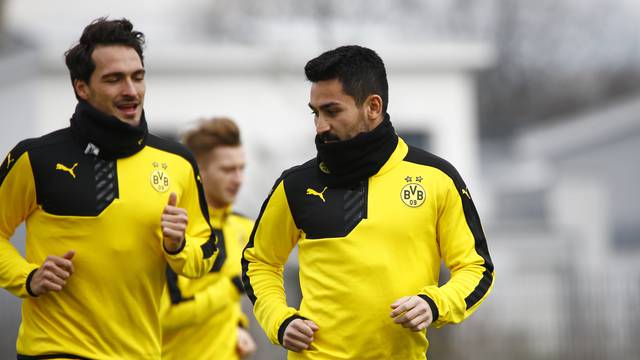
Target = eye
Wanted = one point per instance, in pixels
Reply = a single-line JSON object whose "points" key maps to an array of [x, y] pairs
{"points": [[332, 112]]}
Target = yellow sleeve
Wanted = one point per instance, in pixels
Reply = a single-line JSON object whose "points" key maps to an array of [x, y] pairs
{"points": [[273, 237], [17, 202], [199, 251], [464, 249], [177, 313]]}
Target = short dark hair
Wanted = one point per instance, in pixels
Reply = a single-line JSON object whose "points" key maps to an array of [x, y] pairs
{"points": [[211, 134], [359, 69], [100, 32]]}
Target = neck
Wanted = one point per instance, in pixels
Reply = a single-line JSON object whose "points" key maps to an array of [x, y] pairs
{"points": [[345, 163], [106, 136], [216, 204]]}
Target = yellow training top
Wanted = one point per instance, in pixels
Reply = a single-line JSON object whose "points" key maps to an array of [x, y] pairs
{"points": [[109, 212], [361, 249], [200, 317]]}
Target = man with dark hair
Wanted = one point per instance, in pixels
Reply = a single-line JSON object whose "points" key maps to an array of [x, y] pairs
{"points": [[193, 310], [107, 207], [372, 219]]}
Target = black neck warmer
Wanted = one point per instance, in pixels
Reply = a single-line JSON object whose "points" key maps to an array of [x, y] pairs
{"points": [[105, 136], [345, 163]]}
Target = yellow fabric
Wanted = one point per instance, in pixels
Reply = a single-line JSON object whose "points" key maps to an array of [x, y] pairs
{"points": [[348, 283], [17, 194], [109, 307], [205, 327]]}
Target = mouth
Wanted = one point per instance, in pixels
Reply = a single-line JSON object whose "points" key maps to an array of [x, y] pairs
{"points": [[128, 109], [328, 138]]}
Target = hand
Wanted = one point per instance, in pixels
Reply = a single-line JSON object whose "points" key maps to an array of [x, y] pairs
{"points": [[174, 224], [299, 334], [245, 345], [53, 274], [412, 312]]}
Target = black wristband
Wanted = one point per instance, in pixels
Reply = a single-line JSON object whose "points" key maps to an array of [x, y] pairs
{"points": [[284, 325], [28, 284], [434, 309]]}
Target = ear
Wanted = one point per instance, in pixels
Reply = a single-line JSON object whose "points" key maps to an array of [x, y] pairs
{"points": [[81, 88], [373, 107]]}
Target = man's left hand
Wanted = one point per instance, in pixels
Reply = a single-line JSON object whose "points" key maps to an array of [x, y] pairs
{"points": [[174, 224], [245, 346], [412, 312]]}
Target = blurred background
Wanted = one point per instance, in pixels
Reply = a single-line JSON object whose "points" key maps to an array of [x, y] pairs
{"points": [[537, 103]]}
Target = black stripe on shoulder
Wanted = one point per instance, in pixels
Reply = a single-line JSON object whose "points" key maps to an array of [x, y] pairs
{"points": [[171, 146], [50, 356], [422, 157], [298, 170], [29, 144], [245, 264], [209, 247]]}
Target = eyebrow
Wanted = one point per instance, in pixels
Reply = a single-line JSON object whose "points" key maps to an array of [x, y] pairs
{"points": [[120, 73], [325, 106]]}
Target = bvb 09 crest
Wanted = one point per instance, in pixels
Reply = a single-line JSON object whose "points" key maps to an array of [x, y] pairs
{"points": [[159, 178], [413, 194]]}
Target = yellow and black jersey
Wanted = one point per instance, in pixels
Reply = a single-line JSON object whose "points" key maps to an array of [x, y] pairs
{"points": [[362, 248], [200, 317], [109, 212]]}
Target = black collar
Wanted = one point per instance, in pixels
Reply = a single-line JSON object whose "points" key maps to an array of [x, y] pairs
{"points": [[346, 163], [106, 136]]}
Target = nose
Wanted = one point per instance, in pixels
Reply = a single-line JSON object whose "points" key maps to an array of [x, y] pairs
{"points": [[322, 125], [238, 176], [129, 88]]}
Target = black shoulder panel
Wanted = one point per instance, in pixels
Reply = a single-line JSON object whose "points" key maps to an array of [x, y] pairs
{"points": [[320, 211], [13, 156], [422, 157], [65, 178], [209, 247]]}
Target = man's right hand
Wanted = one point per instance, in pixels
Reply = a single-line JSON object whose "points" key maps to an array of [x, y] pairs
{"points": [[299, 334], [53, 274]]}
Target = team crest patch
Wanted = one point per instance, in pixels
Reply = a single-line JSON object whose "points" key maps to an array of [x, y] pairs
{"points": [[412, 193], [160, 178]]}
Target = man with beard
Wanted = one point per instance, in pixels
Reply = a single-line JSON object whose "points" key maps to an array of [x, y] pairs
{"points": [[107, 207], [372, 219]]}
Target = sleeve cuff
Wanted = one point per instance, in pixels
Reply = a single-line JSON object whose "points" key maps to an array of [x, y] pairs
{"points": [[284, 325], [434, 309], [184, 242], [28, 282]]}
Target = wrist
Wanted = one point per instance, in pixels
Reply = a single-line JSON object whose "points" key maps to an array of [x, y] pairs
{"points": [[173, 248]]}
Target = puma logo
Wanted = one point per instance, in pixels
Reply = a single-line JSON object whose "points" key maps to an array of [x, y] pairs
{"points": [[464, 191], [66, 169], [320, 194], [9, 160]]}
